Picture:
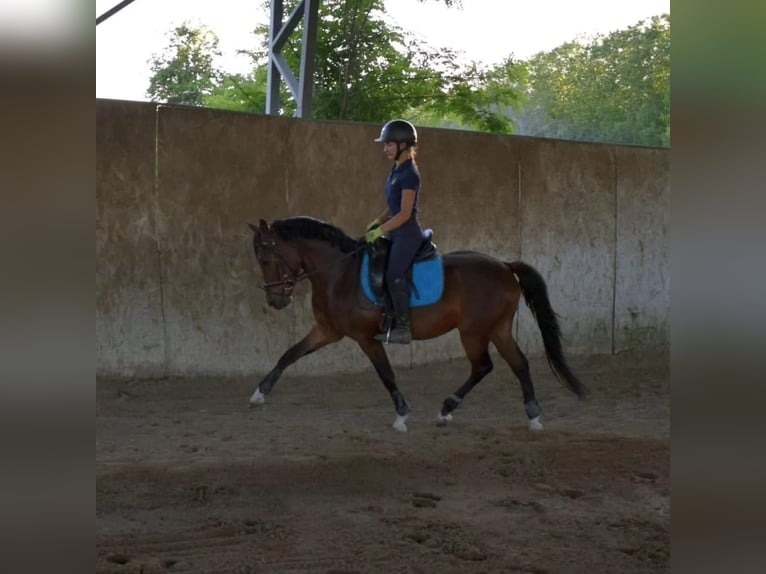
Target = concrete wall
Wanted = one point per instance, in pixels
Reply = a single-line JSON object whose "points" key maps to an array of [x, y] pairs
{"points": [[642, 263], [129, 307], [568, 234], [176, 277]]}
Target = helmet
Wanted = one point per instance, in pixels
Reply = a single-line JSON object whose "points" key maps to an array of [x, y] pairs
{"points": [[398, 131]]}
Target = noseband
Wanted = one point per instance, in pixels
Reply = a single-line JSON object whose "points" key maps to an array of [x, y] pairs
{"points": [[286, 281]]}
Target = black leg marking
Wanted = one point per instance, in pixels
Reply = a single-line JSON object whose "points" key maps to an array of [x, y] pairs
{"points": [[450, 404], [401, 405], [533, 409]]}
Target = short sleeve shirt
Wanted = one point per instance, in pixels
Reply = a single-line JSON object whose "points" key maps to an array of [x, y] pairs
{"points": [[404, 176]]}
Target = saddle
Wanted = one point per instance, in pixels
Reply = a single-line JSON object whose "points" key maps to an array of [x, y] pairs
{"points": [[378, 260]]}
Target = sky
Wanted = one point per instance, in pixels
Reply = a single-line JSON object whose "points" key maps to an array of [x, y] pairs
{"points": [[485, 30]]}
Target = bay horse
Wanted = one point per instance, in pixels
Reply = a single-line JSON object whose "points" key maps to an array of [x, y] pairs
{"points": [[480, 298]]}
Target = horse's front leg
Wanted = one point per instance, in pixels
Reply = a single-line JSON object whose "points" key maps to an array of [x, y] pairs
{"points": [[316, 339], [377, 355]]}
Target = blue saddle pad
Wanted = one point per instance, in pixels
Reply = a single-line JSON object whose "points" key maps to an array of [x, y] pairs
{"points": [[428, 277]]}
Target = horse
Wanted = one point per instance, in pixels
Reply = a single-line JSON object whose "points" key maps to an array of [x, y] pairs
{"points": [[480, 298]]}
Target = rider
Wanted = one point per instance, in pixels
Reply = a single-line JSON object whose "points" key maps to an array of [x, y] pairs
{"points": [[399, 222]]}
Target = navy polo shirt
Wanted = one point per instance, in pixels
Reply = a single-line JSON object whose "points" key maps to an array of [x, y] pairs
{"points": [[404, 176]]}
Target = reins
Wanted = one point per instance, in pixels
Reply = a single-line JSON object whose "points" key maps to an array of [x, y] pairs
{"points": [[299, 276]]}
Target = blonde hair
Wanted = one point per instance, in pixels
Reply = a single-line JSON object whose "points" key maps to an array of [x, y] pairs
{"points": [[411, 149]]}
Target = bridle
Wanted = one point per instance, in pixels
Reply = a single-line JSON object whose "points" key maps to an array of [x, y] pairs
{"points": [[287, 280]]}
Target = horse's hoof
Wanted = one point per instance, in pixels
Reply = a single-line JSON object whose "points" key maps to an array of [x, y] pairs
{"points": [[535, 424], [442, 420], [399, 423], [257, 399]]}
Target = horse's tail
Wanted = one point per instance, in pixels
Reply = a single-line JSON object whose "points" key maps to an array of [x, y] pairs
{"points": [[536, 295]]}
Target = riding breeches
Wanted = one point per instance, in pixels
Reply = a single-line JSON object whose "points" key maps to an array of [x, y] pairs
{"points": [[405, 242]]}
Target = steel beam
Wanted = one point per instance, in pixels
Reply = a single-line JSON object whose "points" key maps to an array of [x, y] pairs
{"points": [[308, 53], [112, 11], [301, 88], [273, 77]]}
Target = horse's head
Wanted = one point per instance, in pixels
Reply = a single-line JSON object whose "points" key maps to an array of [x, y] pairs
{"points": [[280, 265]]}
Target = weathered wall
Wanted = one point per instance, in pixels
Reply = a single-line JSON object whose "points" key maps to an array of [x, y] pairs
{"points": [[176, 278], [129, 323], [642, 265], [214, 171], [568, 235]]}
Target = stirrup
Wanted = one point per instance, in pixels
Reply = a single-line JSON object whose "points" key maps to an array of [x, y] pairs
{"points": [[386, 324], [386, 337], [382, 337], [406, 335]]}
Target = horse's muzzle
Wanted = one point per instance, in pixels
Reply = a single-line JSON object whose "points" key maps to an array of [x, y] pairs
{"points": [[279, 301]]}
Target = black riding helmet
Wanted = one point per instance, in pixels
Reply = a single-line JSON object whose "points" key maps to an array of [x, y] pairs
{"points": [[398, 131]]}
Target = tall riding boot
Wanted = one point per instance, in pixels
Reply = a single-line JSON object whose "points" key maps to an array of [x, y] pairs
{"points": [[400, 299]]}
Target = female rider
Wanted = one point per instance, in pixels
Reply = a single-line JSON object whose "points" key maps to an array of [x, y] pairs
{"points": [[399, 222]]}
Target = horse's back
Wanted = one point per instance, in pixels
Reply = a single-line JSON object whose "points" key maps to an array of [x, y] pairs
{"points": [[473, 259], [478, 268]]}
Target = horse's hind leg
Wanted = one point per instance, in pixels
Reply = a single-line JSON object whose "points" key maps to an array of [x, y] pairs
{"points": [[477, 351], [509, 350], [377, 355]]}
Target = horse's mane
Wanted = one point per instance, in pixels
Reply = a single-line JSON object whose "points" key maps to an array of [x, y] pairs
{"points": [[303, 227]]}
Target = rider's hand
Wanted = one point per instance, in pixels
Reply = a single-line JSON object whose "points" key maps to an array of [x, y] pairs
{"points": [[373, 224], [373, 234]]}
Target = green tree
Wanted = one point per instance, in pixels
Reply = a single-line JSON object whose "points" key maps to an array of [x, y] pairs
{"points": [[184, 72], [242, 93], [473, 96], [616, 88], [365, 70], [369, 70]]}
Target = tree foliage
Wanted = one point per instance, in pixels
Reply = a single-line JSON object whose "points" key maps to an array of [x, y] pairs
{"points": [[369, 70], [357, 65], [184, 72], [242, 93], [615, 88], [366, 69]]}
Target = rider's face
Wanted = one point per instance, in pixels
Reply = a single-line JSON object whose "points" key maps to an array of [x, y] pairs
{"points": [[390, 149]]}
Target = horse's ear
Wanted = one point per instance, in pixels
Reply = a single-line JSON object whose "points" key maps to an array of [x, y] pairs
{"points": [[264, 226], [253, 227]]}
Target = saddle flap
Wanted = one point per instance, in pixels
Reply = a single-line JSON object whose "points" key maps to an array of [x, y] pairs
{"points": [[378, 256]]}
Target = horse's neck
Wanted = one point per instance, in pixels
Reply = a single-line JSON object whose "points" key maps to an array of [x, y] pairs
{"points": [[324, 263]]}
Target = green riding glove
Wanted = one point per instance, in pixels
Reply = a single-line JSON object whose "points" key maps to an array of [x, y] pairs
{"points": [[373, 224], [373, 235]]}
